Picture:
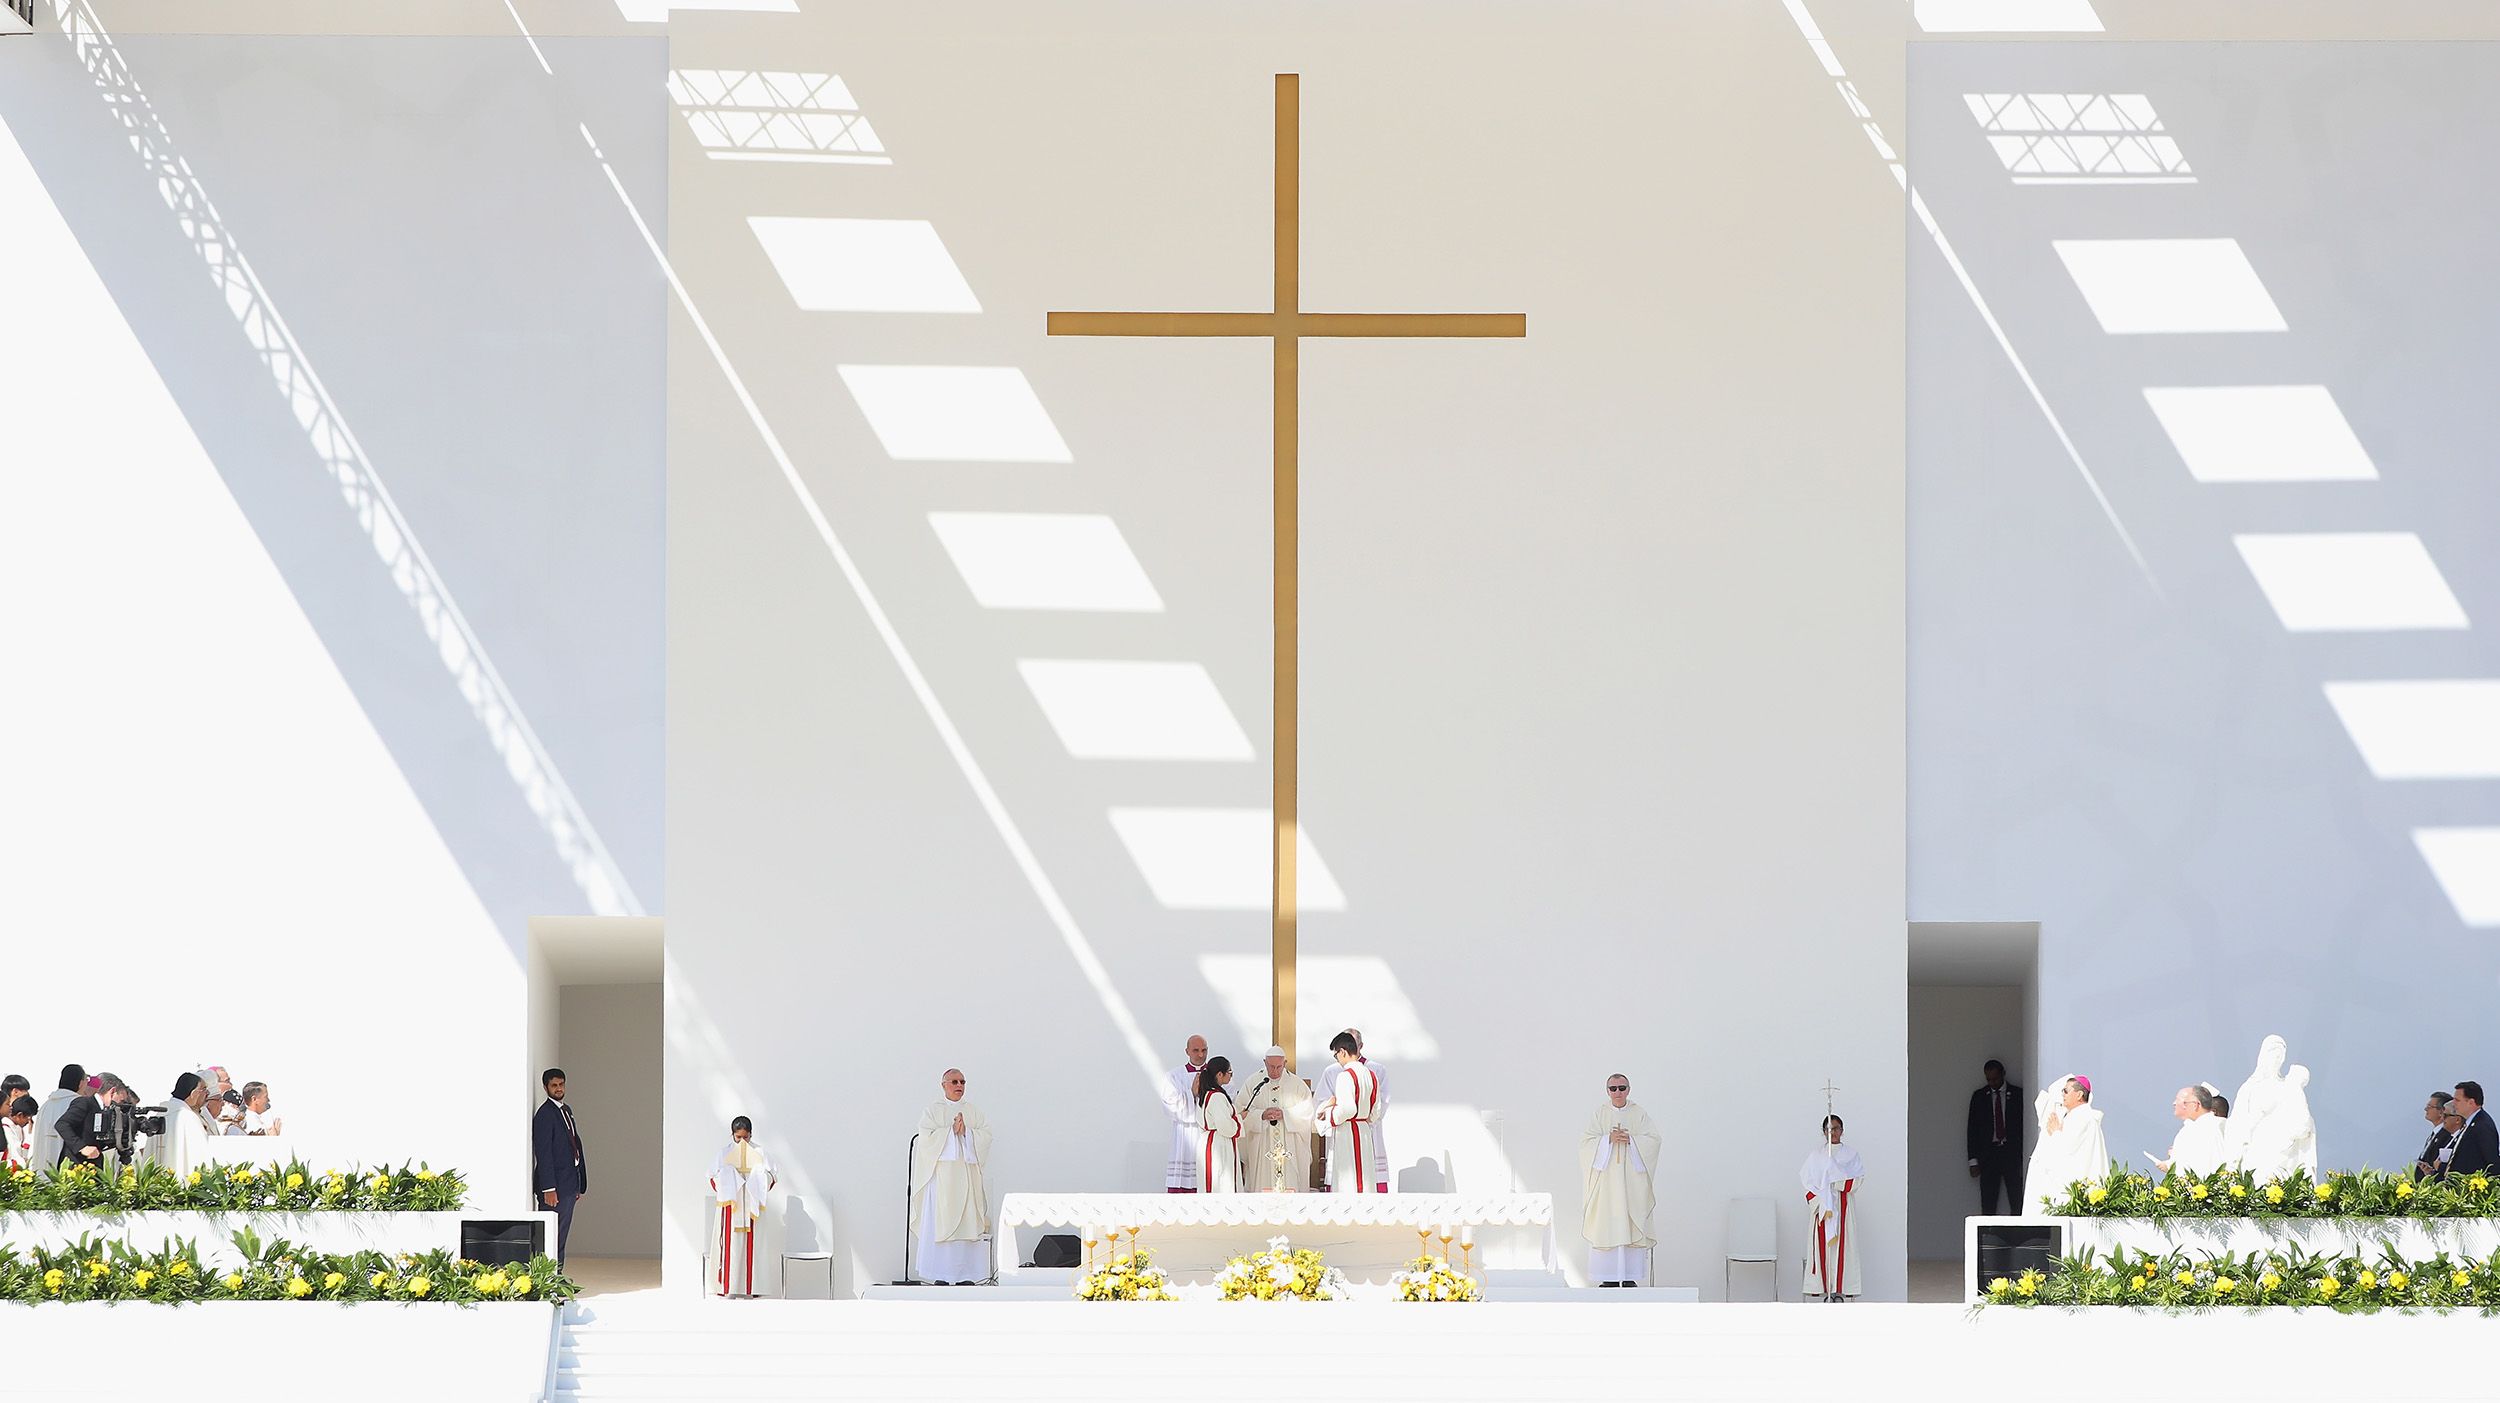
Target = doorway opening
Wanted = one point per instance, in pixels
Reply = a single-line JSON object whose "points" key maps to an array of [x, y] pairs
{"points": [[1974, 996], [595, 1011]]}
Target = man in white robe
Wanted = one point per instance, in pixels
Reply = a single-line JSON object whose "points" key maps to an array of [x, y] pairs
{"points": [[2071, 1145], [47, 1116], [741, 1182], [950, 1203], [1180, 1103], [1375, 1135], [185, 1144], [1276, 1118], [2197, 1148], [1349, 1116], [1618, 1156], [1831, 1174]]}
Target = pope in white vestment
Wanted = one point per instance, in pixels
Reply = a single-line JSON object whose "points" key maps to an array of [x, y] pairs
{"points": [[741, 1182], [1278, 1090], [950, 1203], [1831, 1174], [1180, 1102], [1618, 1156], [2071, 1146]]}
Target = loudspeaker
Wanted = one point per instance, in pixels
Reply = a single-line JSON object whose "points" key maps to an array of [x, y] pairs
{"points": [[1056, 1249], [502, 1242], [2010, 1249]]}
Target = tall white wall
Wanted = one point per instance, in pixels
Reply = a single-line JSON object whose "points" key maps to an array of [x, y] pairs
{"points": [[1602, 688]]}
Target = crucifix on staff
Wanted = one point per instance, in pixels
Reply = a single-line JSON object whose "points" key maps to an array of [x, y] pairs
{"points": [[1285, 324]]}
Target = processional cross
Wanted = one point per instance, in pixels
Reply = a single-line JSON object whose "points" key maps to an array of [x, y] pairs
{"points": [[1284, 325]]}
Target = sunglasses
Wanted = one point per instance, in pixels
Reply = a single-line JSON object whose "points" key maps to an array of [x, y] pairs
{"points": [[1618, 1088]]}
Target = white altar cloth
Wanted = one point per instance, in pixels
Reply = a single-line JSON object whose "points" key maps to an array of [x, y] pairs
{"points": [[1367, 1236]]}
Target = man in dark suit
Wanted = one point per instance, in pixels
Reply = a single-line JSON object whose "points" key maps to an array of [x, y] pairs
{"points": [[76, 1125], [2478, 1140], [1995, 1140], [2426, 1165], [561, 1174]]}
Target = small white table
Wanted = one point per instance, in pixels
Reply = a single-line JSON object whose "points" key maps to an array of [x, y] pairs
{"points": [[1366, 1236]]}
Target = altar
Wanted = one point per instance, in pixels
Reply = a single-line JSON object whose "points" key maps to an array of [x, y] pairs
{"points": [[1369, 1237]]}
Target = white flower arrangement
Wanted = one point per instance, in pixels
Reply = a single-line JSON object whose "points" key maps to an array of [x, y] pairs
{"points": [[1434, 1279], [1282, 1272]]}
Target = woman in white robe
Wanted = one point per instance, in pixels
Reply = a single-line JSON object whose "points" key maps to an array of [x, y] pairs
{"points": [[2071, 1144], [1219, 1162], [1831, 1175], [741, 1183]]}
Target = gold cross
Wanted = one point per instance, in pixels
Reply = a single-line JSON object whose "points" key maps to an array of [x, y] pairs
{"points": [[1286, 325]]}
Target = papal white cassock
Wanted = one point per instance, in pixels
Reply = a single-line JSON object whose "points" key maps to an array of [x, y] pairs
{"points": [[1180, 1102], [1375, 1135], [2075, 1150], [1618, 1194], [1831, 1174], [1219, 1166], [741, 1182], [1353, 1141], [950, 1206], [1290, 1097]]}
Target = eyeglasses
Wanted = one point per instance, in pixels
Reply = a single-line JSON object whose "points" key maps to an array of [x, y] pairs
{"points": [[1618, 1088]]}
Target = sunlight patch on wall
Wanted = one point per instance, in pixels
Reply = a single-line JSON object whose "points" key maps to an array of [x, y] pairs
{"points": [[1218, 859], [2260, 433], [2169, 286], [2443, 729], [1106, 710], [864, 265], [955, 413], [2351, 581]]}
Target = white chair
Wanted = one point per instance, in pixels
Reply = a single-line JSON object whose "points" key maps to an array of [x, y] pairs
{"points": [[1752, 1239], [813, 1261]]}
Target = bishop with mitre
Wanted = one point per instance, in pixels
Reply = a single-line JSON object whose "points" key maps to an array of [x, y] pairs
{"points": [[1275, 1142], [950, 1206], [1618, 1154], [742, 1183], [1831, 1176]]}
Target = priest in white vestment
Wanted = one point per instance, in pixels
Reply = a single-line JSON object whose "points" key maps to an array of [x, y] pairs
{"points": [[950, 1203], [2197, 1148], [1618, 1157], [1349, 1114], [2071, 1147], [185, 1144], [1219, 1163], [1180, 1102], [741, 1182], [1831, 1173], [1276, 1122]]}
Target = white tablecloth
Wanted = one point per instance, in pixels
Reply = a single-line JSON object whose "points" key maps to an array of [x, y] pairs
{"points": [[1367, 1236]]}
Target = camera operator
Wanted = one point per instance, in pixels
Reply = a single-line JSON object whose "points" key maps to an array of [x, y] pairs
{"points": [[82, 1141]]}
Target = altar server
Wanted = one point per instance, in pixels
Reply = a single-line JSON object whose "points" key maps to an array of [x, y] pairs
{"points": [[1180, 1102], [1376, 1135], [950, 1205], [1219, 1167], [2071, 1146], [1350, 1116], [1618, 1154], [47, 1131], [185, 1144], [1276, 1121], [17, 1132], [742, 1184], [2197, 1148], [1831, 1174]]}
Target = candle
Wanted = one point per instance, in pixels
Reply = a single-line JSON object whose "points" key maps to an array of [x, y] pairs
{"points": [[1466, 1237]]}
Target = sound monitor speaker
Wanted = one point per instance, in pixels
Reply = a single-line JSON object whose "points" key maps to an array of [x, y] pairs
{"points": [[502, 1242]]}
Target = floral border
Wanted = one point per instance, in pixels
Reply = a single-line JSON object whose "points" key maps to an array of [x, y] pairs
{"points": [[2231, 1193], [97, 1269], [293, 1187]]}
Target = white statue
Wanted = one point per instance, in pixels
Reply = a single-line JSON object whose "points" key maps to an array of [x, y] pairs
{"points": [[2271, 1133]]}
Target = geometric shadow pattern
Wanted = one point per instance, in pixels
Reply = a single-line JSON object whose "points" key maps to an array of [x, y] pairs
{"points": [[2079, 138]]}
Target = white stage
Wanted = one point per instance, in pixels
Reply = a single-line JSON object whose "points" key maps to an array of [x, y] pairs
{"points": [[655, 1346], [92, 1350], [1366, 1236]]}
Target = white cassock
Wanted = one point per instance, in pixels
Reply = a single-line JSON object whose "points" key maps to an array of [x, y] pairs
{"points": [[1617, 1192], [1180, 1102], [2074, 1151], [186, 1142], [1375, 1136], [2197, 1148], [1219, 1155], [1831, 1176], [1290, 1097], [48, 1134], [950, 1204], [742, 1184], [1353, 1137]]}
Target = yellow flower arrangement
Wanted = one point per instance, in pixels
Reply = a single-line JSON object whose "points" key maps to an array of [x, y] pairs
{"points": [[2327, 1287], [2224, 1286], [2239, 1191], [1429, 1279], [2326, 1192], [334, 1281], [2396, 1280], [419, 1286], [96, 1268], [53, 1279], [2161, 1193], [295, 1181], [234, 1281], [2000, 1286], [2029, 1283], [141, 1278], [177, 1267], [2097, 1194], [521, 1284], [2269, 1281], [2274, 1193], [2198, 1192], [2366, 1280], [2478, 1183], [2460, 1280], [298, 1287], [2404, 1189], [380, 1280], [425, 1176], [1126, 1276], [2185, 1277]]}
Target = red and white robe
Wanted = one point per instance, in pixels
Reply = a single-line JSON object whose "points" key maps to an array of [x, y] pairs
{"points": [[1353, 1133], [1831, 1176], [742, 1182], [1219, 1164]]}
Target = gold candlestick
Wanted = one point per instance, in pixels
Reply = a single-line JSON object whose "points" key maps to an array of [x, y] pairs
{"points": [[1446, 1235]]}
